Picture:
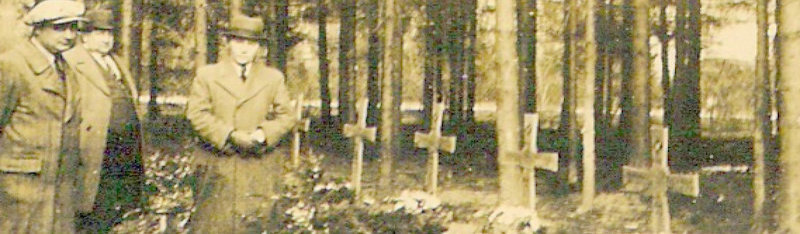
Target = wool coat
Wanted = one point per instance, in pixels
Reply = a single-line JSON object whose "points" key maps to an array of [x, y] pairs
{"points": [[38, 143], [236, 185], [96, 113]]}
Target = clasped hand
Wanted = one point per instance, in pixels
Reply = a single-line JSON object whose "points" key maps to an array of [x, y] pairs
{"points": [[247, 140]]}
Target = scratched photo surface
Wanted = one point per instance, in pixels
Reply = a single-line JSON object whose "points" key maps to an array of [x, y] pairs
{"points": [[405, 116]]}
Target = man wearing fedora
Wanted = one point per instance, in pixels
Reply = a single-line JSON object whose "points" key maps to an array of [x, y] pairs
{"points": [[111, 169], [239, 108], [39, 119]]}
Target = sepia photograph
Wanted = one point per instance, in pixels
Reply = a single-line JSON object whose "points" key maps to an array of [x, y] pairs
{"points": [[399, 116]]}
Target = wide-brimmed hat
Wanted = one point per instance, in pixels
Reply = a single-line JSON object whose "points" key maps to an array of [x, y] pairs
{"points": [[100, 19], [246, 27], [55, 12]]}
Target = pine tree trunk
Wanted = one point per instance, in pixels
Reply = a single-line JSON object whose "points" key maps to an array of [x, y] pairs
{"points": [[374, 54], [663, 37], [685, 129], [147, 58], [565, 125], [455, 51], [472, 38], [573, 139], [346, 59], [640, 129], [392, 73], [588, 107], [624, 131], [324, 90], [527, 52], [508, 121], [788, 127], [761, 128], [200, 33], [281, 33], [126, 21]]}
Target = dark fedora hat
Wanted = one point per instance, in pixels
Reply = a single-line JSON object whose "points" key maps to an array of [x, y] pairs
{"points": [[100, 19], [246, 27]]}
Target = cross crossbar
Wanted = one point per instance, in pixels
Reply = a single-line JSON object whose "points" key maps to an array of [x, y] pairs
{"points": [[358, 132], [433, 141]]}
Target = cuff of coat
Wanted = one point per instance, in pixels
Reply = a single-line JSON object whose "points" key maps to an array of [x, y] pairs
{"points": [[222, 137]]}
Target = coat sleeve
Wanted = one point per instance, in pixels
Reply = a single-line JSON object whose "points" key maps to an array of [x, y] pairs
{"points": [[279, 122], [8, 99], [199, 112]]}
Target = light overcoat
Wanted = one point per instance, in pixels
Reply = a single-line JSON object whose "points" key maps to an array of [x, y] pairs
{"points": [[96, 110], [235, 185], [38, 143]]}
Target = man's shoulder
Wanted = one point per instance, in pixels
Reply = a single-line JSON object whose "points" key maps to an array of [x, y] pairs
{"points": [[76, 52], [271, 73]]}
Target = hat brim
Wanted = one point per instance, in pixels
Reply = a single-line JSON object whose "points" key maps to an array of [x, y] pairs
{"points": [[68, 20], [244, 35]]}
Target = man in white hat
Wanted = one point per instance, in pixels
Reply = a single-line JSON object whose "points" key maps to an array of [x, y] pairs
{"points": [[239, 107], [111, 169], [39, 124]]}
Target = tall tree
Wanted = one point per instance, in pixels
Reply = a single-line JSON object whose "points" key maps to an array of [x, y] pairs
{"points": [[508, 120], [433, 58], [126, 22], [640, 85], [685, 128], [347, 39], [625, 52], [664, 38], [568, 126], [147, 58], [588, 106], [322, 43], [454, 42], [526, 12], [392, 75], [373, 59], [788, 129], [281, 37], [470, 8], [762, 128], [200, 25]]}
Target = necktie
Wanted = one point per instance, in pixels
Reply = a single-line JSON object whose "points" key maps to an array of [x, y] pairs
{"points": [[60, 65], [244, 71]]}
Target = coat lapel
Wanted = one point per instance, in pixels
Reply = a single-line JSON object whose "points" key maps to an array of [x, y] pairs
{"points": [[228, 80], [45, 74], [256, 81], [90, 69]]}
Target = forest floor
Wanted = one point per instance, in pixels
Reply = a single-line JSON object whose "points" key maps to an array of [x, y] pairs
{"points": [[468, 183]]}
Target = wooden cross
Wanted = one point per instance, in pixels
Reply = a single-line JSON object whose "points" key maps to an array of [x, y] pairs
{"points": [[300, 125], [358, 132], [656, 180], [433, 142], [530, 159]]}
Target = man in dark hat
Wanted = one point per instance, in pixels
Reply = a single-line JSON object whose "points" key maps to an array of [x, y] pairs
{"points": [[39, 120], [239, 107], [110, 138]]}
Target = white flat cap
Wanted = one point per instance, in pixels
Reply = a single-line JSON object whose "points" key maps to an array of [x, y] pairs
{"points": [[55, 12]]}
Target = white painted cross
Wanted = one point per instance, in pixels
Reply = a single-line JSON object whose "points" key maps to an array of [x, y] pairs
{"points": [[300, 125], [530, 159], [358, 132], [433, 142], [656, 180]]}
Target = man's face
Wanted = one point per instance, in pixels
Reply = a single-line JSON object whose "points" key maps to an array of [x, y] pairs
{"points": [[243, 50], [57, 37], [98, 40]]}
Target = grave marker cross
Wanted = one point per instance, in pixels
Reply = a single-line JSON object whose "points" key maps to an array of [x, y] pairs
{"points": [[358, 132], [433, 142], [657, 180], [300, 125], [530, 159]]}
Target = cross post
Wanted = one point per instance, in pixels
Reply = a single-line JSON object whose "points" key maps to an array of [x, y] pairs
{"points": [[530, 159], [358, 132], [300, 125], [655, 181], [433, 141]]}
